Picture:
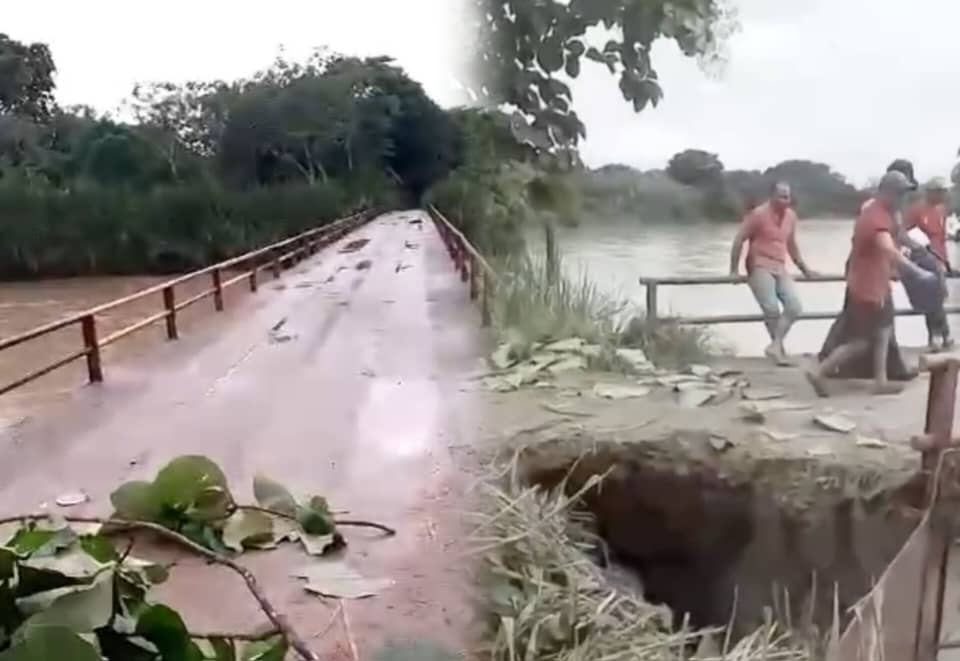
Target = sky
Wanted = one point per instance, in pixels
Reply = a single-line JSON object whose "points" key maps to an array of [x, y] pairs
{"points": [[854, 83]]}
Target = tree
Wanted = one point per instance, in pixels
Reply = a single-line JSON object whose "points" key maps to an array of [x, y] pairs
{"points": [[524, 45], [695, 167], [26, 79]]}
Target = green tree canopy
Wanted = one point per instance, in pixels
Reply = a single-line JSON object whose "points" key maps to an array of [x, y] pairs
{"points": [[525, 47], [26, 79]]}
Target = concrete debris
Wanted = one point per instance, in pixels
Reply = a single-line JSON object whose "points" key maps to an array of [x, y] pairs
{"points": [[571, 345], [611, 391], [697, 397], [835, 422], [871, 443], [636, 359], [720, 443], [762, 394]]}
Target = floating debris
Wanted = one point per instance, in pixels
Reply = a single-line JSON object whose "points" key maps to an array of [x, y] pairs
{"points": [[611, 391], [410, 246], [820, 451], [354, 245], [779, 436], [701, 371], [502, 358], [752, 412], [364, 265], [834, 422], [568, 365], [402, 267], [277, 326]]}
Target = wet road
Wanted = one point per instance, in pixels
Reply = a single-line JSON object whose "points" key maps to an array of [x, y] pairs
{"points": [[359, 396]]}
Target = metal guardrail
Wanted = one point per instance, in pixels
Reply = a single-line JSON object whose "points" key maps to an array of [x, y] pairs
{"points": [[652, 285], [473, 267], [275, 257]]}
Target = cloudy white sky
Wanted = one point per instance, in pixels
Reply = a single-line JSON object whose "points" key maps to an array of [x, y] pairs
{"points": [[854, 83]]}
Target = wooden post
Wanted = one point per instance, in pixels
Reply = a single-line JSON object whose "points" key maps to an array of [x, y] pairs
{"points": [[94, 369], [652, 313], [276, 263], [254, 275], [550, 242], [217, 291], [473, 278], [464, 261], [169, 303], [485, 301]]}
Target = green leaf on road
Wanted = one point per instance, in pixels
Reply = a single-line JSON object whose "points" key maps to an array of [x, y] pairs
{"points": [[163, 627], [247, 529], [316, 517], [81, 608], [49, 643], [223, 649], [135, 501], [273, 496], [193, 482]]}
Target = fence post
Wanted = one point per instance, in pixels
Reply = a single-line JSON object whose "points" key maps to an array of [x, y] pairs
{"points": [[169, 303], [652, 312], [217, 291], [254, 275], [94, 369], [276, 263], [464, 260]]}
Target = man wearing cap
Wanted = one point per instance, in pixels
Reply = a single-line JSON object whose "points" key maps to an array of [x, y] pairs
{"points": [[874, 255], [929, 216], [771, 231]]}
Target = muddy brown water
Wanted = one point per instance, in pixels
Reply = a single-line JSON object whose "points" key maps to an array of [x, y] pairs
{"points": [[28, 304]]}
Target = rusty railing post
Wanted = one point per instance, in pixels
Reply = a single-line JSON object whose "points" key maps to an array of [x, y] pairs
{"points": [[652, 312], [254, 278], [94, 368], [170, 305], [275, 265], [217, 291], [464, 261]]}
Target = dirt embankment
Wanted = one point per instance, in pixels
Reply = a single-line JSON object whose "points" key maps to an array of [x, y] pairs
{"points": [[717, 508]]}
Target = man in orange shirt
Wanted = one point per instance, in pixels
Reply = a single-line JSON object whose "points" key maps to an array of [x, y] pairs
{"points": [[929, 215], [873, 257], [771, 231]]}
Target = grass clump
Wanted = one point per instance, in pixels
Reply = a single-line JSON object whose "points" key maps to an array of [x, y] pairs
{"points": [[535, 301], [544, 599]]}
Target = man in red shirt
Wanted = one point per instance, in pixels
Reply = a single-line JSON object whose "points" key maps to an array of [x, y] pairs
{"points": [[873, 257], [929, 215], [771, 231]]}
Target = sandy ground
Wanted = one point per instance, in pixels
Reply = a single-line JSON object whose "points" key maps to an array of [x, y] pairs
{"points": [[361, 403]]}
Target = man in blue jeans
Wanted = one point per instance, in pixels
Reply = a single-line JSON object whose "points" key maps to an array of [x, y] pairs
{"points": [[771, 231]]}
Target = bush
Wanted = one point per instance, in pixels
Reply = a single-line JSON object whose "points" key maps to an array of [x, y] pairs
{"points": [[93, 229]]}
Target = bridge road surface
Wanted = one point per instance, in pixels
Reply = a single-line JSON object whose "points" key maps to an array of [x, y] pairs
{"points": [[362, 404]]}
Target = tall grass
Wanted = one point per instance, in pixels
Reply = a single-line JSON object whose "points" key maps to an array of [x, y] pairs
{"points": [[537, 300]]}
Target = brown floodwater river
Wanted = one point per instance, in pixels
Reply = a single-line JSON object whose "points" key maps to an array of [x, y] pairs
{"points": [[28, 304]]}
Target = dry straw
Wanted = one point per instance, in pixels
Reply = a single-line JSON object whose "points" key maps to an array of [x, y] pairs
{"points": [[546, 599]]}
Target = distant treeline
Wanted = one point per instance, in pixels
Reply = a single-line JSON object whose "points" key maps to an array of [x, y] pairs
{"points": [[696, 185], [206, 169]]}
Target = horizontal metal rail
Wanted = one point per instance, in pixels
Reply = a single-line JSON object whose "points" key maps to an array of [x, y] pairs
{"points": [[468, 261], [652, 285], [274, 256]]}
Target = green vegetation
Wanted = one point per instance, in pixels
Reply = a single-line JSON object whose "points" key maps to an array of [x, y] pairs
{"points": [[695, 186], [69, 590], [207, 169]]}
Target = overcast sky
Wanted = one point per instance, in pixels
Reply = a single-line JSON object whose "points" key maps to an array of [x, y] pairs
{"points": [[854, 83]]}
